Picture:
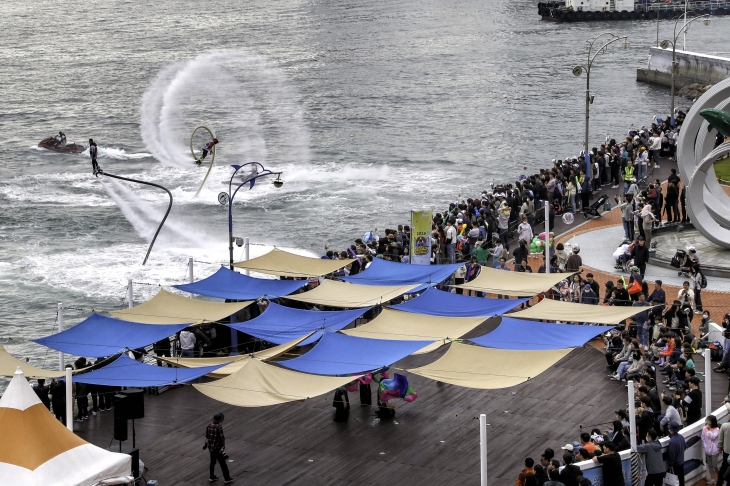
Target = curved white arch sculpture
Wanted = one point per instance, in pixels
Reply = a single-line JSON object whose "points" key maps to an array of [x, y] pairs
{"points": [[707, 203]]}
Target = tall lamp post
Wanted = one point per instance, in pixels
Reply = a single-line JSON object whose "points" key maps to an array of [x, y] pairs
{"points": [[227, 197], [666, 43], [578, 70]]}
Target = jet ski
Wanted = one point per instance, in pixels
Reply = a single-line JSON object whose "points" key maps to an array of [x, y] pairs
{"points": [[70, 148]]}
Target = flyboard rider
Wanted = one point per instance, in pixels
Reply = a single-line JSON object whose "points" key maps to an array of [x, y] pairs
{"points": [[208, 147], [93, 151]]}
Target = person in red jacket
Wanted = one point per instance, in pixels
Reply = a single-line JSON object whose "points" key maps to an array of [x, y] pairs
{"points": [[529, 462]]}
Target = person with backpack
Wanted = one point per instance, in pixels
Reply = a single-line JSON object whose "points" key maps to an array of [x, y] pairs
{"points": [[700, 282]]}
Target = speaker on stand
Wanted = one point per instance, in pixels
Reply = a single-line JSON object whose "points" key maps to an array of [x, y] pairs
{"points": [[134, 408], [120, 419]]}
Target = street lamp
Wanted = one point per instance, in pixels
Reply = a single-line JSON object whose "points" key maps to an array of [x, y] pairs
{"points": [[227, 197], [666, 43], [578, 70]]}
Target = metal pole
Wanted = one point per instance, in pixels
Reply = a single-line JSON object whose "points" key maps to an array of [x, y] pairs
{"points": [[69, 400], [674, 52], [190, 270], [708, 383], [657, 31], [684, 36], [130, 293], [483, 447], [61, 360], [246, 251], [632, 415], [588, 104], [230, 234], [547, 236]]}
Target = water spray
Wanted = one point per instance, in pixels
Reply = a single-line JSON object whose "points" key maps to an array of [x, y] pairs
{"points": [[164, 218]]}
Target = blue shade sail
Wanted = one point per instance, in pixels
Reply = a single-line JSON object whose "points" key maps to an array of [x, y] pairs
{"points": [[100, 336], [340, 354], [439, 303], [279, 324], [124, 371], [382, 272], [227, 284], [521, 334]]}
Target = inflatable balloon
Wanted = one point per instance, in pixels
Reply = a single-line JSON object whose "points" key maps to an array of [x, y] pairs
{"points": [[396, 387], [538, 244], [568, 218]]}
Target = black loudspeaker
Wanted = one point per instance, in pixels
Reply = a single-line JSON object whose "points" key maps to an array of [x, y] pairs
{"points": [[135, 403], [120, 418], [135, 462]]}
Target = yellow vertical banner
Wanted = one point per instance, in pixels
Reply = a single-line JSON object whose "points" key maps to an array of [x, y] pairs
{"points": [[421, 237]]}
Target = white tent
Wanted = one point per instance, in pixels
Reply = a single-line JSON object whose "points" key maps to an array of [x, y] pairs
{"points": [[37, 450]]}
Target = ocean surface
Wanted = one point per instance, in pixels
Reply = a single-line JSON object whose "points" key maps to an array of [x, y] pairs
{"points": [[370, 109]]}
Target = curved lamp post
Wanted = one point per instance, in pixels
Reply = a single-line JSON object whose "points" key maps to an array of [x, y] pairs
{"points": [[578, 70], [227, 197], [666, 43]]}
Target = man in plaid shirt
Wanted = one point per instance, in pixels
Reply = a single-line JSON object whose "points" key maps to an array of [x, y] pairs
{"points": [[215, 441]]}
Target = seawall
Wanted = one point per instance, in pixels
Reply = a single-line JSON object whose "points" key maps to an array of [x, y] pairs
{"points": [[692, 67]]}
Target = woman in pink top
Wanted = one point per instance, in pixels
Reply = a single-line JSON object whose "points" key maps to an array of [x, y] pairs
{"points": [[709, 442]]}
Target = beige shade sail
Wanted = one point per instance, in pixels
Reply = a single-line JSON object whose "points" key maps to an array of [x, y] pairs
{"points": [[38, 449], [9, 364], [285, 264], [258, 384], [512, 283], [238, 361], [169, 308], [556, 310], [489, 368], [407, 326], [333, 293]]}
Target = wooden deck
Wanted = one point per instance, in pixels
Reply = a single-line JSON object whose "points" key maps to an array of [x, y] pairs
{"points": [[433, 441]]}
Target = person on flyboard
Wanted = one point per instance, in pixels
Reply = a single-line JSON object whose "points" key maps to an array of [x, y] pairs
{"points": [[207, 148]]}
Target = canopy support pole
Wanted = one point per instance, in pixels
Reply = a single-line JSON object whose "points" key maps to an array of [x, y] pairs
{"points": [[130, 293], [708, 383], [483, 447], [190, 270], [547, 237], [632, 415], [69, 400], [61, 359], [246, 248]]}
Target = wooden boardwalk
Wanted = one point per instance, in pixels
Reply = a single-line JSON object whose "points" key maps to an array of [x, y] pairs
{"points": [[433, 441]]}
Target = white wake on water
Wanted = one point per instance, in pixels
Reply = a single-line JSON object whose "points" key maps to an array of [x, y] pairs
{"points": [[248, 103]]}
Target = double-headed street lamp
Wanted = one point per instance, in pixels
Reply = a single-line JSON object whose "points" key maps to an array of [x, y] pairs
{"points": [[227, 197], [666, 43], [578, 70]]}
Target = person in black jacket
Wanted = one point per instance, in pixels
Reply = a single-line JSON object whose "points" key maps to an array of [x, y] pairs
{"points": [[646, 417], [640, 254], [341, 402], [58, 400], [520, 253], [570, 473], [81, 392], [620, 296], [43, 391], [670, 202]]}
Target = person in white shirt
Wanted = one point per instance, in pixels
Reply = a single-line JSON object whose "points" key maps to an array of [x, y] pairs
{"points": [[187, 344], [525, 231], [451, 241]]}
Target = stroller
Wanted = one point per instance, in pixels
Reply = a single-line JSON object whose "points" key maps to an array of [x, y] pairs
{"points": [[592, 210]]}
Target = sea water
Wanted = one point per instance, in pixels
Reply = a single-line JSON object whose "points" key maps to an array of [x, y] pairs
{"points": [[370, 109]]}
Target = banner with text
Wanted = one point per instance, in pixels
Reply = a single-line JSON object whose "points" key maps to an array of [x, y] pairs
{"points": [[421, 237]]}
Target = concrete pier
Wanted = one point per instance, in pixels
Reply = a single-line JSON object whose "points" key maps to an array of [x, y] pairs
{"points": [[692, 67]]}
